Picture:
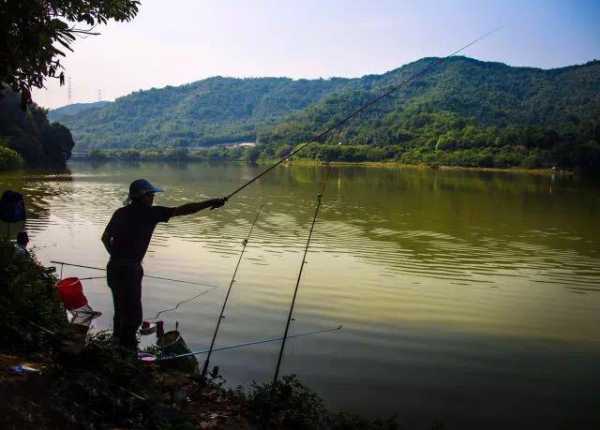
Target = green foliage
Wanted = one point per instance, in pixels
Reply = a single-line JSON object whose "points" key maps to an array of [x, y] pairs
{"points": [[35, 34], [28, 301], [291, 405], [177, 154], [99, 388], [30, 134], [211, 111], [287, 405], [252, 155], [464, 112], [57, 114], [9, 159], [104, 388]]}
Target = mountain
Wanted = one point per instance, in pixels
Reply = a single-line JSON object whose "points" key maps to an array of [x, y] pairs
{"points": [[462, 111], [488, 94], [210, 111], [58, 114]]}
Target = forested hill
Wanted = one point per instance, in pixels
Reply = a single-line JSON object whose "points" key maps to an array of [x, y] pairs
{"points": [[462, 111], [210, 111], [59, 113]]}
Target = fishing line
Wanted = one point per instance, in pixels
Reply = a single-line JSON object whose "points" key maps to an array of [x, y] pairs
{"points": [[92, 277], [220, 318], [152, 358], [162, 278], [390, 90], [206, 291], [181, 303]]}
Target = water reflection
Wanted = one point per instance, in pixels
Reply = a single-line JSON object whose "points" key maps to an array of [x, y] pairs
{"points": [[38, 189], [449, 283]]}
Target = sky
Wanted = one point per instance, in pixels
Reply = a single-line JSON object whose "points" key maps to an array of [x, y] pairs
{"points": [[180, 41]]}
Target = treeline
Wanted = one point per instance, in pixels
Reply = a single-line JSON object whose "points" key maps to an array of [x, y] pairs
{"points": [[9, 158], [462, 112], [446, 139], [434, 139], [203, 113], [26, 136], [466, 113], [250, 155]]}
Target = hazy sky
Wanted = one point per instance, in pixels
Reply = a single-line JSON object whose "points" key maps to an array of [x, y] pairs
{"points": [[180, 41]]}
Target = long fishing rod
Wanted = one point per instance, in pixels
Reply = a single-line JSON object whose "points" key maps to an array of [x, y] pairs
{"points": [[151, 358], [63, 263], [289, 318], [391, 89], [220, 318]]}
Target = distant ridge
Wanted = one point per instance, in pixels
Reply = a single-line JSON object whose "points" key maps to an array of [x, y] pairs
{"points": [[462, 104], [72, 109], [205, 112]]}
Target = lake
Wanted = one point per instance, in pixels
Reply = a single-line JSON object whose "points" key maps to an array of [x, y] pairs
{"points": [[468, 298]]}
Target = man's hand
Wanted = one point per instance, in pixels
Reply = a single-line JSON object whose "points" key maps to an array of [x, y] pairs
{"points": [[192, 208]]}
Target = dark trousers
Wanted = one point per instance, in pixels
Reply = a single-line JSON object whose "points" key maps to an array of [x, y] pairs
{"points": [[125, 282]]}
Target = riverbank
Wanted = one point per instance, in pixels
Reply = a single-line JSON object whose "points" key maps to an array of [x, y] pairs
{"points": [[398, 165], [543, 171], [48, 386]]}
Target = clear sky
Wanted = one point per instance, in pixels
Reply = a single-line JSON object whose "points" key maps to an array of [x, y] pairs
{"points": [[180, 41]]}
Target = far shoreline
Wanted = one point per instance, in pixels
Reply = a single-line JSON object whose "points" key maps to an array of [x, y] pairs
{"points": [[546, 171], [539, 171]]}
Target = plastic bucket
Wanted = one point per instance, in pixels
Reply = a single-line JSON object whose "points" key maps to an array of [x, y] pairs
{"points": [[71, 293], [171, 343]]}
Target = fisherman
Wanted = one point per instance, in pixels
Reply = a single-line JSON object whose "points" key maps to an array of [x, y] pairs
{"points": [[126, 239], [21, 248]]}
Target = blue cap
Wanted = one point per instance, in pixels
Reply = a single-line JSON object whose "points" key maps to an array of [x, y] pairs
{"points": [[141, 187]]}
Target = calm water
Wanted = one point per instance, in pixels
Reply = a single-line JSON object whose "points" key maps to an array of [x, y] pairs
{"points": [[468, 298]]}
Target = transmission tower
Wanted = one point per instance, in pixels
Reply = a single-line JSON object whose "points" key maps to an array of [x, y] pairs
{"points": [[99, 95]]}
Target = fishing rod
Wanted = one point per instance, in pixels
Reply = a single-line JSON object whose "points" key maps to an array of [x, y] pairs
{"points": [[289, 318], [220, 318], [390, 90], [152, 358], [63, 263]]}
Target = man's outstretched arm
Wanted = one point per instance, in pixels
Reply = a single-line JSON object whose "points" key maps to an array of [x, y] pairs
{"points": [[192, 208]]}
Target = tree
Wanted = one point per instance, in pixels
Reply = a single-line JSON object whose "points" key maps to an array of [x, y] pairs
{"points": [[35, 33], [9, 159], [30, 134]]}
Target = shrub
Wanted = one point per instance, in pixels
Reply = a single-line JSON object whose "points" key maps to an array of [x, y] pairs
{"points": [[287, 405], [28, 301], [532, 161], [9, 159], [100, 155]]}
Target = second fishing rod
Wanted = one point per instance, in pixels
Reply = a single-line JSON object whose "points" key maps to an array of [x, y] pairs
{"points": [[231, 282]]}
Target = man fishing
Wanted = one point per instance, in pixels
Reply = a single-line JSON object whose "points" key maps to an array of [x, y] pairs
{"points": [[126, 239]]}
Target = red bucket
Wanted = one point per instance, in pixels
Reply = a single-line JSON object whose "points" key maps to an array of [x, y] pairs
{"points": [[71, 293]]}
